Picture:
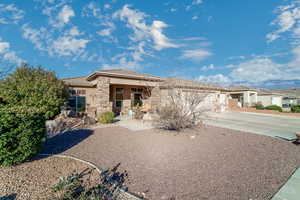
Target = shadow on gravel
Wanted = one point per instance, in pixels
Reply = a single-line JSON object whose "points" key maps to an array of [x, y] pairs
{"points": [[65, 141], [9, 197]]}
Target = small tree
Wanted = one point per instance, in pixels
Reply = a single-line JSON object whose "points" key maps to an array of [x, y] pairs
{"points": [[28, 97], [34, 87], [182, 110], [22, 131]]}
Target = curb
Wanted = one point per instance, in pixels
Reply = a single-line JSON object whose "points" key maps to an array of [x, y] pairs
{"points": [[289, 190], [121, 194]]}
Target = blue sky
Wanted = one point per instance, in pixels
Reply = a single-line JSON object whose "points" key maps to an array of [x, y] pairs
{"points": [[253, 42]]}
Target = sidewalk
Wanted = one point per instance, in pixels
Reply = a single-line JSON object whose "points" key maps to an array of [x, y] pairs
{"points": [[291, 189]]}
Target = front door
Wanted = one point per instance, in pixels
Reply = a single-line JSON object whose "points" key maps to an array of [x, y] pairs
{"points": [[119, 100]]}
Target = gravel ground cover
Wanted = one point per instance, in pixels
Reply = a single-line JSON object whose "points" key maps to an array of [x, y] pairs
{"points": [[34, 179], [208, 163]]}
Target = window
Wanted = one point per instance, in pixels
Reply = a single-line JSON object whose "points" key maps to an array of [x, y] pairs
{"points": [[74, 92], [77, 103], [81, 92], [119, 90], [119, 97], [137, 90]]}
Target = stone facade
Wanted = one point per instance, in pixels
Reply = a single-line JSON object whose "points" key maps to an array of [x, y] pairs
{"points": [[102, 95], [155, 98]]}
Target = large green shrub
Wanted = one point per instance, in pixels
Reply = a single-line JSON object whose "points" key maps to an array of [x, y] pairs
{"points": [[106, 117], [274, 107], [295, 109], [22, 131], [259, 106], [34, 87]]}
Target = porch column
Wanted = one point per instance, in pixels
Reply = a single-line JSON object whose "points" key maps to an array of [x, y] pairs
{"points": [[247, 101], [102, 95]]}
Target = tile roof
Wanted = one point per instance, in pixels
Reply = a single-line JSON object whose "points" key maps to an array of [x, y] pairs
{"points": [[240, 88], [124, 74], [181, 83], [78, 81]]}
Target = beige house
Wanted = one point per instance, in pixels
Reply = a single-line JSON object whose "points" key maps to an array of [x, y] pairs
{"points": [[120, 90], [244, 96], [267, 98]]}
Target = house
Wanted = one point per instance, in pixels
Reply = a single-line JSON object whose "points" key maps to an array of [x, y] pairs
{"points": [[242, 96], [289, 101], [267, 98], [291, 96], [120, 90], [247, 96]]}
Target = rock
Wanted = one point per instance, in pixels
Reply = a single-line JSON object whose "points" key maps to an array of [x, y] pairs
{"points": [[88, 120], [147, 116]]}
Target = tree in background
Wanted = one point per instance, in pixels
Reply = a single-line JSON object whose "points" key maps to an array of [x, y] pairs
{"points": [[34, 87]]}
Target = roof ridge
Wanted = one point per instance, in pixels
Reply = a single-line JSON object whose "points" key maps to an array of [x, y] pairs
{"points": [[74, 77]]}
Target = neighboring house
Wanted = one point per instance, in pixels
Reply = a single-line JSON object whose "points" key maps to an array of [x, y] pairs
{"points": [[291, 96], [244, 96], [267, 98], [289, 101], [120, 90]]}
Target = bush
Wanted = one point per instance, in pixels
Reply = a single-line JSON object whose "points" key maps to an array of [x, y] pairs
{"points": [[259, 107], [79, 186], [34, 87], [274, 107], [21, 134], [182, 110], [106, 117], [295, 109]]}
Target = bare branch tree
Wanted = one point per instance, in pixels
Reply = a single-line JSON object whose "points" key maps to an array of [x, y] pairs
{"points": [[182, 109]]}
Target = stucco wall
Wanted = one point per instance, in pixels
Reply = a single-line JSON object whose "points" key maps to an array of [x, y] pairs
{"points": [[214, 100], [267, 100]]}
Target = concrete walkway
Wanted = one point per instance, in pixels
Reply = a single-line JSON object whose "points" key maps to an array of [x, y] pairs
{"points": [[135, 125], [291, 190], [271, 125]]}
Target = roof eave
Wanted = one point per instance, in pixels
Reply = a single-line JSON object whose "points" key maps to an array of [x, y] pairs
{"points": [[109, 74]]}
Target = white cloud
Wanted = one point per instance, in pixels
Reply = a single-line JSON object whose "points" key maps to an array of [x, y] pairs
{"points": [[64, 16], [160, 40], [194, 38], [208, 67], [107, 6], [145, 38], [10, 14], [6, 54], [218, 78], [259, 70], [236, 58], [173, 9], [67, 46], [37, 37], [196, 54], [197, 2], [287, 20], [92, 10], [195, 17], [74, 31], [194, 3], [141, 31], [105, 32]]}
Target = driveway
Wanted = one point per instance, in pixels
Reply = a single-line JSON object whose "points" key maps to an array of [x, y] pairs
{"points": [[208, 163], [271, 125]]}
